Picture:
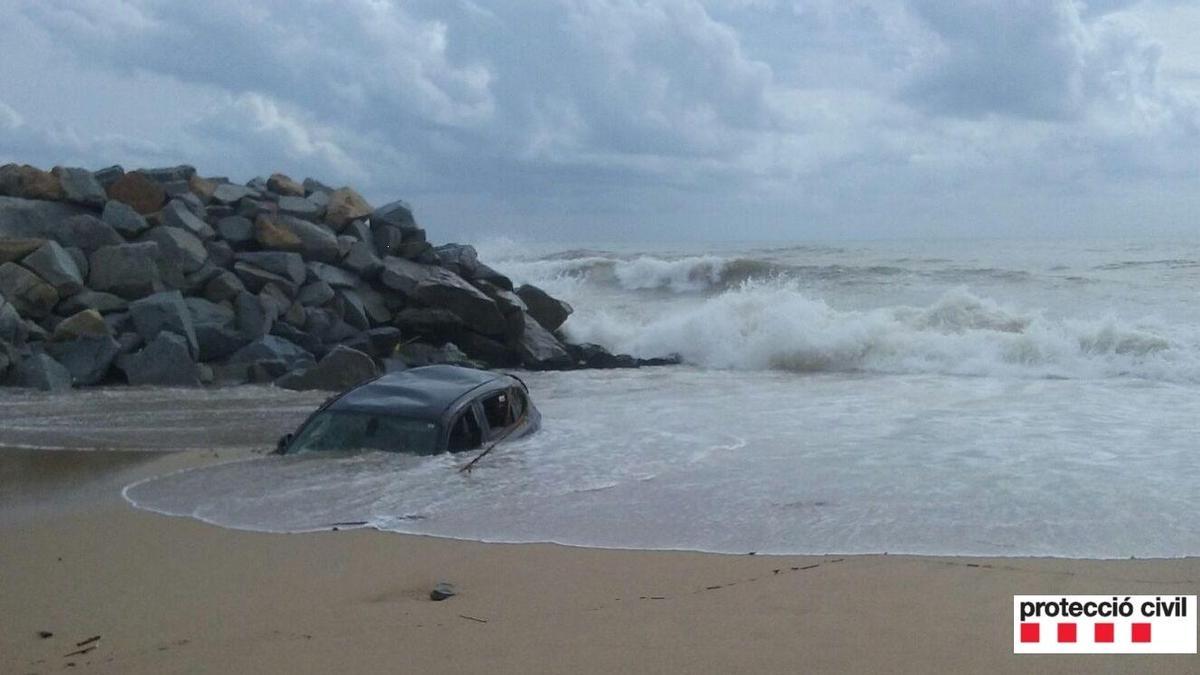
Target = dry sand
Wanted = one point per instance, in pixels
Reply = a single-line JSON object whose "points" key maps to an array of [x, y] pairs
{"points": [[173, 595]]}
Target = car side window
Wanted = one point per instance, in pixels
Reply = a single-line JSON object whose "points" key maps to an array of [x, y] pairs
{"points": [[465, 433], [498, 410], [519, 403]]}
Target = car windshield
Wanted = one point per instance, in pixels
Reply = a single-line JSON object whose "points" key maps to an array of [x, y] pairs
{"points": [[338, 430]]}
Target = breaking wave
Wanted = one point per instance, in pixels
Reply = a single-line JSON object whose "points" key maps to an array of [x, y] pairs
{"points": [[760, 325]]}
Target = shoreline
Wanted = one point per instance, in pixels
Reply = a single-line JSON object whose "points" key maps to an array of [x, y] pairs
{"points": [[173, 594]]}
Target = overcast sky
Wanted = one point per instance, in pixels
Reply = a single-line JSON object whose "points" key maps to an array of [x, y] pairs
{"points": [[620, 119]]}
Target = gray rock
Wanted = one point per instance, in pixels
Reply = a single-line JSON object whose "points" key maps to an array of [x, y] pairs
{"points": [[429, 322], [315, 294], [179, 214], [275, 299], [415, 354], [81, 187], [273, 348], [462, 259], [350, 306], [85, 231], [164, 312], [129, 270], [442, 591], [220, 254], [224, 285], [539, 350], [56, 267], [32, 217], [485, 273], [361, 259], [437, 287], [15, 250], [236, 230], [378, 342], [104, 303], [40, 371], [255, 278], [204, 312], [300, 207], [12, 326], [168, 174], [387, 240], [334, 276], [253, 318], [307, 341], [340, 369], [312, 185], [124, 219], [218, 342], [27, 292], [296, 315], [227, 193], [375, 304], [290, 266], [108, 175], [81, 259], [288, 233], [550, 312], [360, 230], [87, 359], [166, 361], [180, 248], [397, 214]]}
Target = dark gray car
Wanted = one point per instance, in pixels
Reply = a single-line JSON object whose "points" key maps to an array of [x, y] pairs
{"points": [[421, 411]]}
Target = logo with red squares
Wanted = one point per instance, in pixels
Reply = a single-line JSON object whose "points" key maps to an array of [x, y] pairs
{"points": [[1104, 624]]}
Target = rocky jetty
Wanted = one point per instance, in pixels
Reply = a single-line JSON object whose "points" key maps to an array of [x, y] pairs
{"points": [[164, 277]]}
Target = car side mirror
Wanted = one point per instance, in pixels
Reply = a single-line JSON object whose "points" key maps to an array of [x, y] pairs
{"points": [[284, 441]]}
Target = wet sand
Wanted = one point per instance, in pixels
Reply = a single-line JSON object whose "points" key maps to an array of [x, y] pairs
{"points": [[170, 595]]}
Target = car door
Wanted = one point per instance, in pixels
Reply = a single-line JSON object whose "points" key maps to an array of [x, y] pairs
{"points": [[467, 429]]}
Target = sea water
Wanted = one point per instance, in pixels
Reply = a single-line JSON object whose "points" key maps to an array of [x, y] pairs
{"points": [[981, 397]]}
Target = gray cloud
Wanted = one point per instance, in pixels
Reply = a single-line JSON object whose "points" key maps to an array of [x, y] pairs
{"points": [[671, 118]]}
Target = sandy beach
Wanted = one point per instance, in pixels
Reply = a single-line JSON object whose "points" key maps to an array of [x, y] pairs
{"points": [[174, 595]]}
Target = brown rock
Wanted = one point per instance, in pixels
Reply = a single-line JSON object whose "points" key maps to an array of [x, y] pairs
{"points": [[29, 182], [12, 250], [273, 236], [202, 188], [86, 323], [284, 185], [138, 191], [345, 205]]}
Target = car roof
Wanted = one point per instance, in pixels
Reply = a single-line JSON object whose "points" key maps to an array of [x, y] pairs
{"points": [[422, 393]]}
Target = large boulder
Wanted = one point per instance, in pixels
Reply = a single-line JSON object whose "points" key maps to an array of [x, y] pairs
{"points": [[217, 342], [438, 287], [225, 285], [315, 294], [31, 218], [256, 278], [379, 342], [345, 205], [429, 322], [288, 233], [180, 248], [28, 293], [170, 174], [79, 186], [549, 311], [104, 303], [204, 312], [14, 250], [273, 348], [300, 208], [361, 260], [138, 191], [108, 175], [40, 371], [254, 317], [177, 214], [86, 358], [415, 354], [228, 193], [13, 329], [539, 350], [283, 185], [124, 219], [340, 369], [164, 312], [53, 264], [84, 323], [462, 259], [128, 270], [290, 266], [334, 276], [29, 182], [85, 231], [166, 360], [397, 214], [236, 230]]}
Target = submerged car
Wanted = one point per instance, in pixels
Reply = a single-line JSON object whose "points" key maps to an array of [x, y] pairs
{"points": [[420, 411]]}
